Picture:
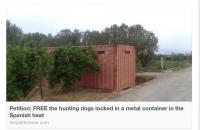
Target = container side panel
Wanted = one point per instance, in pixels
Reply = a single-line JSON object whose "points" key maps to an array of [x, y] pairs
{"points": [[126, 67]]}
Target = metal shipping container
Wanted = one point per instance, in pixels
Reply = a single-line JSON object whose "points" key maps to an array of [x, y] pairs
{"points": [[117, 68]]}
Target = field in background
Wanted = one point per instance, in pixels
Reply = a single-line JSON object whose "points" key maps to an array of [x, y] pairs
{"points": [[154, 65]]}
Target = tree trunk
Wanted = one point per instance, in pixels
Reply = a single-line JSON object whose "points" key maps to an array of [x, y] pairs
{"points": [[41, 85]]}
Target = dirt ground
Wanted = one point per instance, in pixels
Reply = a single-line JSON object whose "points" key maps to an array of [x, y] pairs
{"points": [[167, 86], [80, 94], [73, 95], [160, 86]]}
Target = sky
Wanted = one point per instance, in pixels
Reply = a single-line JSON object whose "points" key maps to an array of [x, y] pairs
{"points": [[170, 20]]}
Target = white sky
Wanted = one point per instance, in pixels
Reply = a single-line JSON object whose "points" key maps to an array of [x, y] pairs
{"points": [[170, 20]]}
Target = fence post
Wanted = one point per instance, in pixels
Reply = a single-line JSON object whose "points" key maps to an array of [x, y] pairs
{"points": [[161, 63]]}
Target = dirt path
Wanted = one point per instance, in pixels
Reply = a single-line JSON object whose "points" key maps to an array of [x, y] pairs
{"points": [[168, 86]]}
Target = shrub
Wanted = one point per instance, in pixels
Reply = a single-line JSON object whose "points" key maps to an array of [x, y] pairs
{"points": [[68, 63], [24, 64]]}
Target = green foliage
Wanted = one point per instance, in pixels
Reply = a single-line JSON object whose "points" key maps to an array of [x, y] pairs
{"points": [[24, 64], [68, 63], [143, 40], [176, 64], [68, 36], [154, 65], [15, 36], [13, 33], [145, 43], [34, 39], [13, 93]]}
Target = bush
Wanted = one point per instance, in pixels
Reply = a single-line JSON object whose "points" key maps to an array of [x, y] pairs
{"points": [[68, 63], [24, 64]]}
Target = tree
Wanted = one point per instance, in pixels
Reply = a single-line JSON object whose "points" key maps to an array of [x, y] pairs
{"points": [[86, 37], [50, 41], [93, 37], [24, 64], [34, 39], [76, 37], [106, 36], [123, 34], [114, 34], [145, 43], [143, 40], [13, 33], [68, 64], [64, 37]]}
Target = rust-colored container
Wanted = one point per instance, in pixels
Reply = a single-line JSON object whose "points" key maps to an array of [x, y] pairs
{"points": [[117, 68]]}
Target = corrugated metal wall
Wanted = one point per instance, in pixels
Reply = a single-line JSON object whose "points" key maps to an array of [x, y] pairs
{"points": [[125, 59], [106, 78], [117, 65]]}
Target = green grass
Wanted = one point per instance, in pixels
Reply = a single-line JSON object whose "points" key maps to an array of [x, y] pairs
{"points": [[154, 65]]}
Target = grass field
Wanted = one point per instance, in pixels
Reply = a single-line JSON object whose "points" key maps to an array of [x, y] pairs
{"points": [[154, 65]]}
